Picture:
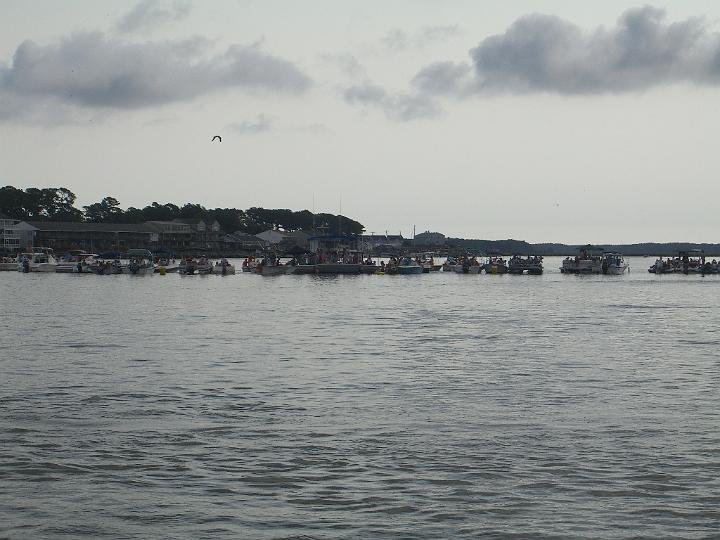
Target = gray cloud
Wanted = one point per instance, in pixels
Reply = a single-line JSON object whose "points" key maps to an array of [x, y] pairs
{"points": [[444, 78], [400, 40], [150, 13], [547, 54], [252, 127], [93, 70], [400, 107], [540, 52]]}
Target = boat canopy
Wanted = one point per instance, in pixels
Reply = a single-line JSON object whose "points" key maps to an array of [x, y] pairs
{"points": [[139, 253]]}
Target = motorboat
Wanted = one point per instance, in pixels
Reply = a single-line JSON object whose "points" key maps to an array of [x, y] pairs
{"points": [[409, 265], [249, 264], [468, 265], [140, 264], [495, 265], [428, 264], [588, 261], [40, 260], [204, 266], [450, 264], [271, 266], [8, 264], [532, 264], [223, 267], [105, 267], [78, 262], [614, 264]]}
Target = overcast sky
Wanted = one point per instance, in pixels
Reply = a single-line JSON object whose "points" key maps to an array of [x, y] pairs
{"points": [[553, 121]]}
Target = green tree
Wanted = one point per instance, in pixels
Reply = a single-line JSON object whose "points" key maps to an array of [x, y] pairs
{"points": [[106, 211]]}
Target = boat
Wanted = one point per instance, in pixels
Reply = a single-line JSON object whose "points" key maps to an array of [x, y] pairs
{"points": [[249, 264], [204, 266], [408, 265], [223, 267], [495, 264], [331, 254], [588, 261], [77, 262], [8, 264], [532, 264], [140, 264], [40, 260], [165, 265], [450, 264], [270, 266], [690, 261], [614, 264], [467, 265], [428, 263], [105, 267]]}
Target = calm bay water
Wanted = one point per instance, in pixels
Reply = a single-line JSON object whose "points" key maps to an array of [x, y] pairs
{"points": [[432, 406]]}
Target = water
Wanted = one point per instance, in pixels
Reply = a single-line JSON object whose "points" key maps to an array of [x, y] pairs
{"points": [[307, 407]]}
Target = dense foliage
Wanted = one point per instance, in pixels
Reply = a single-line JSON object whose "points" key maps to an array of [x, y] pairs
{"points": [[57, 204]]}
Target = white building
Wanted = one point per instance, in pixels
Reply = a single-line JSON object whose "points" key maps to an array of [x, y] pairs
{"points": [[15, 235]]}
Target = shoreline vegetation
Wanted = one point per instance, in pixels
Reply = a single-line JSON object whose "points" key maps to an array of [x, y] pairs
{"points": [[58, 204]]}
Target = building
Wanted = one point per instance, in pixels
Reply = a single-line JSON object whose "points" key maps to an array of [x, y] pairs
{"points": [[240, 241], [15, 235], [206, 235], [430, 239], [371, 242], [92, 237], [272, 236], [170, 236]]}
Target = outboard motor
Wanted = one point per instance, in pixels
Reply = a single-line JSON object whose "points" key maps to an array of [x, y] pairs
{"points": [[26, 266]]}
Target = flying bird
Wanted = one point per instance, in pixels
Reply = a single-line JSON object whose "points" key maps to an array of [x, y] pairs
{"points": [[218, 137]]}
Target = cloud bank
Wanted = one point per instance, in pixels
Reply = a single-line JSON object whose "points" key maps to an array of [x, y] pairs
{"points": [[151, 13], [400, 107], [543, 53], [97, 71]]}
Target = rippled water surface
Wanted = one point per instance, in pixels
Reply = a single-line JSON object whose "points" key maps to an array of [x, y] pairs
{"points": [[432, 406]]}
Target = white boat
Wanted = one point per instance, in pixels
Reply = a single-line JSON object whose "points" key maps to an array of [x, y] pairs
{"points": [[78, 263], [8, 264], [614, 264], [270, 266], [588, 261], [141, 263], [409, 265], [40, 260]]}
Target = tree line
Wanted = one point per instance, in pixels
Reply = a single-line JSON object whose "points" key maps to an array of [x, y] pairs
{"points": [[58, 204]]}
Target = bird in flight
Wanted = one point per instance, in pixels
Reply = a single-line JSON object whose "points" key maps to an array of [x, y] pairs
{"points": [[218, 137]]}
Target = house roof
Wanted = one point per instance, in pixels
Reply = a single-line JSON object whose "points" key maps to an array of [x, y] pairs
{"points": [[75, 226]]}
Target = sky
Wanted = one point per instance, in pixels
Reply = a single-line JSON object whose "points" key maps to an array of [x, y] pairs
{"points": [[553, 121]]}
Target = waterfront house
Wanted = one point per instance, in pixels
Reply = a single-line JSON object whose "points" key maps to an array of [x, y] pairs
{"points": [[272, 236], [91, 237], [384, 241], [15, 235]]}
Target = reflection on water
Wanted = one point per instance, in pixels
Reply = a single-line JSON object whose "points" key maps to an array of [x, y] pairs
{"points": [[430, 406]]}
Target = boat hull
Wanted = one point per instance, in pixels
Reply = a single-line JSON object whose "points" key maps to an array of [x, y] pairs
{"points": [[408, 270], [223, 270], [460, 269], [274, 270]]}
